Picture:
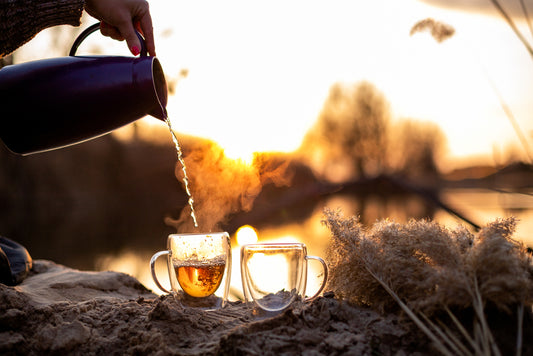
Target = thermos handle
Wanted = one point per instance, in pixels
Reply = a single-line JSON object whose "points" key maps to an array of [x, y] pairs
{"points": [[92, 29]]}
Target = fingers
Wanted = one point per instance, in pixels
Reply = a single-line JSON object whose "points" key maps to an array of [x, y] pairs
{"points": [[118, 18], [110, 31], [127, 30], [148, 32], [120, 34]]}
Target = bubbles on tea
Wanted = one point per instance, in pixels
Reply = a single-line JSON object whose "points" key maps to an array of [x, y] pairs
{"points": [[200, 278]]}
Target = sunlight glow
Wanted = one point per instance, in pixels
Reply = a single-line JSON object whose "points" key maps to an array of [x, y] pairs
{"points": [[239, 155], [252, 86], [135, 264], [246, 234], [271, 272], [255, 87]]}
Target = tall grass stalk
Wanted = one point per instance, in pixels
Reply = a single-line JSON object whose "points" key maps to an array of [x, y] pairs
{"points": [[526, 15], [511, 24], [519, 332], [463, 331], [529, 48], [439, 344], [486, 338], [510, 116]]}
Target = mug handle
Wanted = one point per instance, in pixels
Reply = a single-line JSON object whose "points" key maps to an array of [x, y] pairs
{"points": [[325, 268], [152, 269], [95, 27]]}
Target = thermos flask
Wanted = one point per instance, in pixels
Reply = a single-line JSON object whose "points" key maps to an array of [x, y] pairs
{"points": [[53, 103]]}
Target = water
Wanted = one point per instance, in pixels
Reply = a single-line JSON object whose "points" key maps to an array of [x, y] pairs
{"points": [[129, 251], [183, 168]]}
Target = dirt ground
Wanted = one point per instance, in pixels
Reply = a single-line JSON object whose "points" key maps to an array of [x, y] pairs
{"points": [[58, 310]]}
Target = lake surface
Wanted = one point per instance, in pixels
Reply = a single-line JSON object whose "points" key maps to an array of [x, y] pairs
{"points": [[480, 206]]}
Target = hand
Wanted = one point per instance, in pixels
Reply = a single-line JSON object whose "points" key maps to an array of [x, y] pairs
{"points": [[118, 18]]}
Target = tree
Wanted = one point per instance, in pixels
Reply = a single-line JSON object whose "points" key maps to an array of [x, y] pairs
{"points": [[350, 136], [415, 148]]}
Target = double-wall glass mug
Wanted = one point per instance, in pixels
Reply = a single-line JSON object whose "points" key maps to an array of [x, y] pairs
{"points": [[199, 265], [274, 275]]}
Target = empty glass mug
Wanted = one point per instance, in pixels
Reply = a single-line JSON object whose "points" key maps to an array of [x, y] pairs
{"points": [[275, 274], [198, 266]]}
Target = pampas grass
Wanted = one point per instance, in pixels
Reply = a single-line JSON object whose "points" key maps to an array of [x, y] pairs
{"points": [[427, 271]]}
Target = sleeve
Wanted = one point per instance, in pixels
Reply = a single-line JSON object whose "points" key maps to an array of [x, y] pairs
{"points": [[21, 20]]}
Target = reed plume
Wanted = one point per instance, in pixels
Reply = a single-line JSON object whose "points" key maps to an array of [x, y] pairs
{"points": [[439, 30], [427, 270]]}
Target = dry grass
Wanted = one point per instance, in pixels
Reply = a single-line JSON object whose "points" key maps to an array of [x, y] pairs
{"points": [[438, 30], [508, 18], [427, 270]]}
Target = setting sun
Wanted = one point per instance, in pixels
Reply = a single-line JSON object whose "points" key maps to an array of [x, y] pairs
{"points": [[239, 154]]}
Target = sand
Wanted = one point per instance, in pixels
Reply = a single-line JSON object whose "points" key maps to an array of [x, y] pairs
{"points": [[59, 310]]}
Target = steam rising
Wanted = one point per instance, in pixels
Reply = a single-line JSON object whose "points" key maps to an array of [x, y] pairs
{"points": [[222, 186]]}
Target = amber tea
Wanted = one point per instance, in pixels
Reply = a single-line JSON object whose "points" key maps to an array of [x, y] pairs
{"points": [[199, 269], [200, 279]]}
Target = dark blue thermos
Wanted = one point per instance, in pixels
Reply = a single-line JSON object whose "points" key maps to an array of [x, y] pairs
{"points": [[57, 102]]}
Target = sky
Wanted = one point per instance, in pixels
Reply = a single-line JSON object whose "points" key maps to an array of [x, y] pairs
{"points": [[259, 72]]}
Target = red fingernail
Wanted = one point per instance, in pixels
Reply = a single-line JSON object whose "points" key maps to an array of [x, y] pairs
{"points": [[135, 50]]}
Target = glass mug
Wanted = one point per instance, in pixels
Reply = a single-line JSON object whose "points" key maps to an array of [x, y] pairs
{"points": [[274, 275], [198, 265]]}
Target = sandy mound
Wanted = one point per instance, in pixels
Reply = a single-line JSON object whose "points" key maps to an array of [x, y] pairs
{"points": [[58, 310]]}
